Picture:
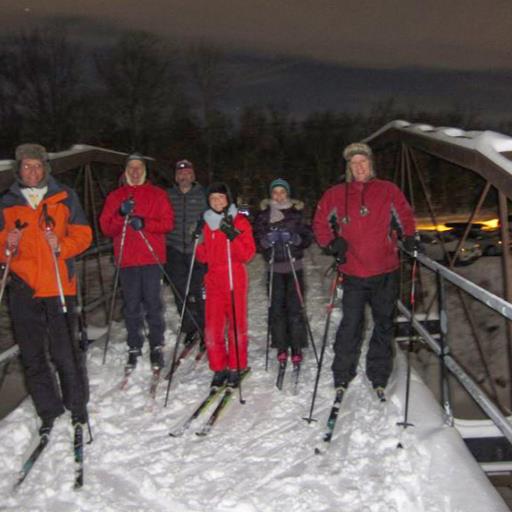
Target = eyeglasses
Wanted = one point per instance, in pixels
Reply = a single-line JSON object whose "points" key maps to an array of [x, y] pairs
{"points": [[30, 167]]}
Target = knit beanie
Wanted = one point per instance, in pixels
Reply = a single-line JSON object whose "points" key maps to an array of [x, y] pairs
{"points": [[280, 182], [33, 152], [219, 188]]}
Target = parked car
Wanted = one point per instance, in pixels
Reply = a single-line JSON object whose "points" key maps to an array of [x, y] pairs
{"points": [[433, 247], [489, 240]]}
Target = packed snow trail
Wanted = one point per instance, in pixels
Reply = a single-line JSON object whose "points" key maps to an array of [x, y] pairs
{"points": [[259, 456]]}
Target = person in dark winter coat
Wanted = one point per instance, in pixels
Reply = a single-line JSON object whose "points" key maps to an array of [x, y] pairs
{"points": [[227, 246], [138, 210], [188, 199], [279, 225], [42, 224], [359, 222]]}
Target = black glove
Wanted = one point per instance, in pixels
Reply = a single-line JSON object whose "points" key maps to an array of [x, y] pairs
{"points": [[412, 244], [127, 207], [198, 230], [227, 227], [137, 223], [338, 248]]}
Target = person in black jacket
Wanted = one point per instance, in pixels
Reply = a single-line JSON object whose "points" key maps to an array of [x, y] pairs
{"points": [[278, 225], [188, 199]]}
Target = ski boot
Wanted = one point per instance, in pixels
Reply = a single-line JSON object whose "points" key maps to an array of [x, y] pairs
{"points": [[157, 358], [233, 379], [219, 378], [133, 355]]}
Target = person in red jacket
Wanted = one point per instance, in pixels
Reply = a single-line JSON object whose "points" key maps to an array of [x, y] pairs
{"points": [[144, 213], [359, 222], [227, 245]]}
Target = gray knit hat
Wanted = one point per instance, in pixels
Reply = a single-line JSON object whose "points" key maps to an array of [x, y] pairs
{"points": [[33, 152], [357, 148]]}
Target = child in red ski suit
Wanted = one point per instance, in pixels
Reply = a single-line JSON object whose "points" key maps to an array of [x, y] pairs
{"points": [[227, 236]]}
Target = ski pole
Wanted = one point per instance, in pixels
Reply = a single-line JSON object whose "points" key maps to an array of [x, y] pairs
{"points": [[9, 252], [116, 284], [405, 423], [330, 307], [49, 225], [169, 280], [269, 308], [301, 300], [182, 315], [233, 314]]}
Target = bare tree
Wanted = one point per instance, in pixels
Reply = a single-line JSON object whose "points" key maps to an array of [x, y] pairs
{"points": [[139, 89], [40, 81], [206, 64]]}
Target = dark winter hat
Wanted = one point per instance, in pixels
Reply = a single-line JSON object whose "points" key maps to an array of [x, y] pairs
{"points": [[136, 156], [219, 188], [131, 158], [184, 164], [280, 182], [357, 148], [33, 152]]}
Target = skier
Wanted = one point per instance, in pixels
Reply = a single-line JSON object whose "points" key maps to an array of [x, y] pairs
{"points": [[143, 212], [42, 229], [281, 223], [227, 246], [369, 215], [188, 199]]}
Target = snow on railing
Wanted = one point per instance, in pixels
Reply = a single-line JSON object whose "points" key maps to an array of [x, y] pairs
{"points": [[488, 143], [496, 303]]}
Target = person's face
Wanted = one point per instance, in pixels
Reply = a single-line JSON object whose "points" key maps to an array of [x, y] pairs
{"points": [[31, 172], [218, 201], [184, 178], [135, 170], [360, 167], [279, 194]]}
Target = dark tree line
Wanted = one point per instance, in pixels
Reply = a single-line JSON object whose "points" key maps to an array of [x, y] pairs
{"points": [[140, 94]]}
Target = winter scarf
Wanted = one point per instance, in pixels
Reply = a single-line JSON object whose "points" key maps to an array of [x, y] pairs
{"points": [[213, 219], [275, 210]]}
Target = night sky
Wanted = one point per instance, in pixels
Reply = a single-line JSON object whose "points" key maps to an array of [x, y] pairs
{"points": [[318, 55]]}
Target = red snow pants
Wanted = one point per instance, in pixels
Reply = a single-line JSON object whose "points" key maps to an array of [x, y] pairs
{"points": [[219, 317]]}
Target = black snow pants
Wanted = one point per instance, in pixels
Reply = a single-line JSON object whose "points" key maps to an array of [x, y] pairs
{"points": [[141, 295], [48, 343], [286, 321], [381, 293], [178, 266]]}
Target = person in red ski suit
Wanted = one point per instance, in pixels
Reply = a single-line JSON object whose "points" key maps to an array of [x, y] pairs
{"points": [[359, 222], [227, 237], [145, 209]]}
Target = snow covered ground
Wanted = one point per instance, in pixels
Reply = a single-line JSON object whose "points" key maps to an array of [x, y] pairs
{"points": [[260, 456]]}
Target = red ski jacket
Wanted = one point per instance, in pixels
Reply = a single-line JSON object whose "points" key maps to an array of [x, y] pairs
{"points": [[153, 205], [377, 213], [213, 252]]}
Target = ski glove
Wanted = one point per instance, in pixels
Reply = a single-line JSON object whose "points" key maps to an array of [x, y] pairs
{"points": [[137, 223], [271, 238], [412, 244], [227, 227], [338, 248], [198, 230], [127, 207]]}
